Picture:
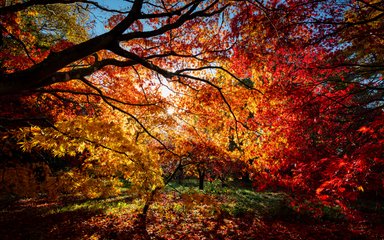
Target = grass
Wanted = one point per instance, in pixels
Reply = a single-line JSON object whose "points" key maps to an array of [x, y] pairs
{"points": [[180, 211], [115, 206], [239, 201], [230, 200], [236, 201]]}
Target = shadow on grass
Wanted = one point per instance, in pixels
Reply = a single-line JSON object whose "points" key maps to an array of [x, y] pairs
{"points": [[92, 219], [231, 214], [28, 219]]}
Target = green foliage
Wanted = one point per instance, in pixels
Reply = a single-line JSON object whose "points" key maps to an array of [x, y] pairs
{"points": [[54, 23], [62, 22]]}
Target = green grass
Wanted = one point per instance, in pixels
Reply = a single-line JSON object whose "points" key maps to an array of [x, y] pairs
{"points": [[237, 201], [117, 206], [178, 211], [231, 200]]}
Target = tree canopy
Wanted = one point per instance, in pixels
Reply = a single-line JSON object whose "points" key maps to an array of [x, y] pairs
{"points": [[286, 93]]}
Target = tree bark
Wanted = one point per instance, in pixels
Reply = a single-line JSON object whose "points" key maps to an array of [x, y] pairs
{"points": [[142, 218], [201, 178], [42, 74]]}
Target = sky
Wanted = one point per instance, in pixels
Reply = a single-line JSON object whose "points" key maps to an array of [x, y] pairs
{"points": [[101, 17]]}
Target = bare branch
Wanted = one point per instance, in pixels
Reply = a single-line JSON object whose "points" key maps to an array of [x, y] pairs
{"points": [[130, 115]]}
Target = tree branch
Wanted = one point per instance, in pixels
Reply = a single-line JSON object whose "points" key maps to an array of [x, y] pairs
{"points": [[130, 115], [27, 4], [40, 74]]}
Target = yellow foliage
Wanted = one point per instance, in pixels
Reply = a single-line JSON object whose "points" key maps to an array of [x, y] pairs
{"points": [[83, 186], [360, 188], [112, 152]]}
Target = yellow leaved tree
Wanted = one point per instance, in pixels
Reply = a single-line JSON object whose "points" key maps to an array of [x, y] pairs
{"points": [[110, 151]]}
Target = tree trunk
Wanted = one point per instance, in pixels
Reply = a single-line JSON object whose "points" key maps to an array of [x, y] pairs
{"points": [[142, 218], [201, 178], [180, 176]]}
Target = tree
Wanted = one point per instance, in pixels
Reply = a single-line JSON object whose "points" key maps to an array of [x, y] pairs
{"points": [[319, 93], [291, 89], [126, 66], [125, 31], [102, 97]]}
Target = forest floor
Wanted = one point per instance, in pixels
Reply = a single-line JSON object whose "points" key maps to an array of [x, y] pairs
{"points": [[181, 212]]}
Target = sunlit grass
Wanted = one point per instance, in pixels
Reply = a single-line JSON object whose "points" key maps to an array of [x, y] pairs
{"points": [[186, 198], [181, 210], [235, 201], [116, 206]]}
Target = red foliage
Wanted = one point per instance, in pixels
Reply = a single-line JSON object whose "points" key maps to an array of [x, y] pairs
{"points": [[334, 135]]}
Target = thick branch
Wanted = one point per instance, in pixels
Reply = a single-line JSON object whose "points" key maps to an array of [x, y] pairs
{"points": [[39, 75], [98, 94], [27, 4], [190, 14]]}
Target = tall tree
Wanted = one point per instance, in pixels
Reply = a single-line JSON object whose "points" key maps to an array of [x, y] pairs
{"points": [[293, 89], [320, 92], [86, 88]]}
